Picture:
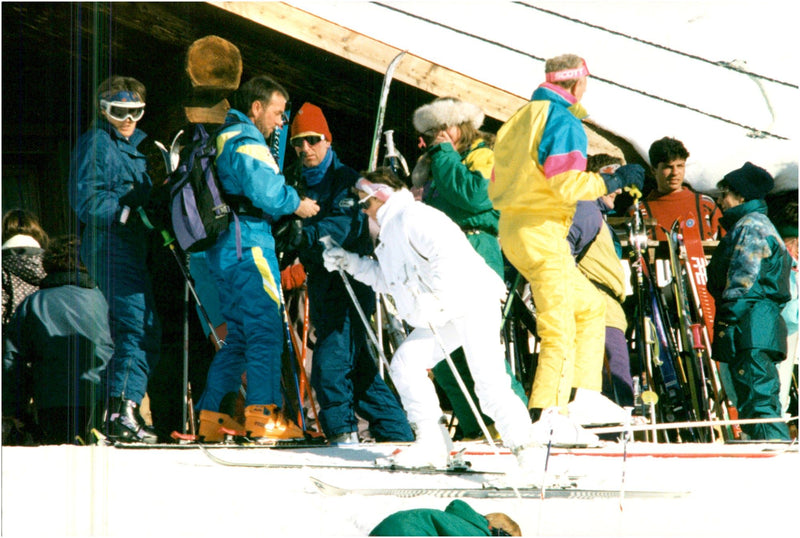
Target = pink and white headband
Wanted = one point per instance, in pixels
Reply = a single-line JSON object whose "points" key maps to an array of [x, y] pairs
{"points": [[568, 74], [379, 190]]}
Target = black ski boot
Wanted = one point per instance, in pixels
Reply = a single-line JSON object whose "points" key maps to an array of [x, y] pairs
{"points": [[125, 423]]}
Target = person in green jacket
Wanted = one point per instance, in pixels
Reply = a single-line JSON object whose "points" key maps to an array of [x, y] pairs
{"points": [[458, 519], [748, 276], [453, 176]]}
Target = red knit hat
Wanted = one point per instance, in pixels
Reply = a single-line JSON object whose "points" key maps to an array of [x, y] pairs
{"points": [[310, 121]]}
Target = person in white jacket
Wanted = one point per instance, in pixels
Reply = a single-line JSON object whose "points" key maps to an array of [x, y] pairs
{"points": [[447, 292]]}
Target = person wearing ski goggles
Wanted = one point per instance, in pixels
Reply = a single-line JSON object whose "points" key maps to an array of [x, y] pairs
{"points": [[109, 183], [122, 109]]}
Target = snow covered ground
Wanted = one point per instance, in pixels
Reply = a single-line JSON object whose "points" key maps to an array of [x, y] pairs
{"points": [[103, 491]]}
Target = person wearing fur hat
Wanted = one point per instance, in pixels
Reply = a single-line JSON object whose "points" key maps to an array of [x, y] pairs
{"points": [[343, 373], [748, 276], [539, 176], [453, 176], [451, 297]]}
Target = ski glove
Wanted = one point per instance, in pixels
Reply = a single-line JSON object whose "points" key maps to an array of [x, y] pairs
{"points": [[336, 258], [625, 176], [431, 309], [136, 197]]}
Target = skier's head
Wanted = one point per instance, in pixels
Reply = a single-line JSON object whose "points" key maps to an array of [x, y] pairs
{"points": [[750, 182], [63, 255], [502, 525], [603, 163], [309, 135], [668, 162], [263, 101], [461, 121], [23, 223], [121, 101], [375, 188], [568, 71]]}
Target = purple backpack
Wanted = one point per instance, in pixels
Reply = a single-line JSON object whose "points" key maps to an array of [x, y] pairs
{"points": [[199, 212]]}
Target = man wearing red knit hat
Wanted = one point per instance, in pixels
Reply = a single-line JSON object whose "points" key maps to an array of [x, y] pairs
{"points": [[343, 373]]}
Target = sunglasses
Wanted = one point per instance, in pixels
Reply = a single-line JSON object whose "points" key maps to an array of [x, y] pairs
{"points": [[121, 112], [364, 202], [312, 140]]}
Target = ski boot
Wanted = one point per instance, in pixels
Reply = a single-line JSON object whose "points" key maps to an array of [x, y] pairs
{"points": [[267, 423], [561, 430], [125, 423], [430, 450], [344, 439], [211, 424]]}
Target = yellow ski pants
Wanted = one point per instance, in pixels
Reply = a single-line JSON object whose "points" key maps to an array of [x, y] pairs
{"points": [[570, 311]]}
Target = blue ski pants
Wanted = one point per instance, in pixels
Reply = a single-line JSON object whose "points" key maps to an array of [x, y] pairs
{"points": [[249, 293]]}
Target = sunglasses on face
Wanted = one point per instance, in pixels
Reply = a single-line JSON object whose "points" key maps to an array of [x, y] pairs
{"points": [[312, 140], [364, 202], [121, 112]]}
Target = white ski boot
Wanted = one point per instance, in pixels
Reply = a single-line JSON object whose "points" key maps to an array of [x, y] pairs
{"points": [[560, 430], [431, 449], [591, 408]]}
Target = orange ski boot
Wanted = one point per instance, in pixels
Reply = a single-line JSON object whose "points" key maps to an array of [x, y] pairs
{"points": [[268, 423], [211, 424]]}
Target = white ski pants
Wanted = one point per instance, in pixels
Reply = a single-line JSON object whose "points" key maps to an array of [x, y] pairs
{"points": [[478, 331]]}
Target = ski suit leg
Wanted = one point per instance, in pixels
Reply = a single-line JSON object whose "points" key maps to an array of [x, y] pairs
{"points": [[758, 393], [251, 307], [565, 301], [621, 385], [343, 373], [120, 270], [480, 333], [409, 371]]}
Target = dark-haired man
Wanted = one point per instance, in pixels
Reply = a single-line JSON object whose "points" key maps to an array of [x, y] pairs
{"points": [[673, 198], [244, 264]]}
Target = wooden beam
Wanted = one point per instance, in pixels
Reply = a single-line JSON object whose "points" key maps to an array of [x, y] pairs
{"points": [[376, 55]]}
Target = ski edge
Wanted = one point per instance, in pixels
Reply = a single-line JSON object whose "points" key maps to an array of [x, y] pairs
{"points": [[498, 493]]}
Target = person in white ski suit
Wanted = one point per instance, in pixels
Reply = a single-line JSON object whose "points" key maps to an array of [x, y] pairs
{"points": [[438, 281]]}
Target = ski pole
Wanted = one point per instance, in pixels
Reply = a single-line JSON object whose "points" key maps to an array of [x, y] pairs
{"points": [[328, 242]]}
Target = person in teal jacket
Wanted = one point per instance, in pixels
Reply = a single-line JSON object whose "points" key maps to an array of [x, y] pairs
{"points": [[458, 519], [453, 176], [748, 276], [244, 265]]}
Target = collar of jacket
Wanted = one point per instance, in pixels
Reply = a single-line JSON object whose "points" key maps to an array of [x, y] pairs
{"points": [[235, 116], [731, 216], [558, 95], [315, 174], [67, 278], [135, 139]]}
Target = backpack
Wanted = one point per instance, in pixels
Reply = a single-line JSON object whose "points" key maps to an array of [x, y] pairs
{"points": [[198, 210]]}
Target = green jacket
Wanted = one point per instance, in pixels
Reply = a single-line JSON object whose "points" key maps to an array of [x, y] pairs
{"points": [[459, 189], [748, 276], [458, 519]]}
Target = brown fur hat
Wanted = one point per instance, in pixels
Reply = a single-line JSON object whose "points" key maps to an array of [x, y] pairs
{"points": [[214, 63]]}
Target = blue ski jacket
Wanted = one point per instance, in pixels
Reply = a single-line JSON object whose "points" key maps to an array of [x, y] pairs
{"points": [[245, 167]]}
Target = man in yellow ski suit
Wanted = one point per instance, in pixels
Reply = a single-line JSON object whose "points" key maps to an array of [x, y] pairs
{"points": [[539, 176]]}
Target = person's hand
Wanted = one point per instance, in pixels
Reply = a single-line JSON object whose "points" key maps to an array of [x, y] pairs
{"points": [[442, 136], [137, 196], [625, 176], [431, 309], [307, 208], [337, 258]]}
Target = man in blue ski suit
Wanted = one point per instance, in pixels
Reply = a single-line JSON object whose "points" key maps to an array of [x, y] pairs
{"points": [[343, 374], [244, 264], [108, 184]]}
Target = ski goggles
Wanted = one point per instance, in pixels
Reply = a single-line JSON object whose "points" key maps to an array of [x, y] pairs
{"points": [[122, 110], [312, 140]]}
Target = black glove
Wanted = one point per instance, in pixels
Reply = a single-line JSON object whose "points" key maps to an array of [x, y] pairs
{"points": [[136, 197], [625, 176]]}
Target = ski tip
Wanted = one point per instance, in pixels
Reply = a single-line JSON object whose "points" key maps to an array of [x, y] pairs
{"points": [[327, 489]]}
